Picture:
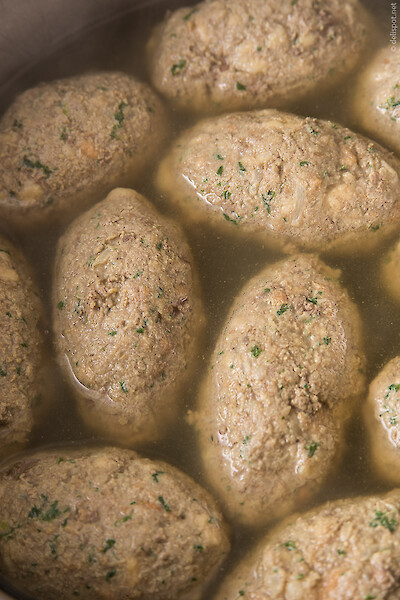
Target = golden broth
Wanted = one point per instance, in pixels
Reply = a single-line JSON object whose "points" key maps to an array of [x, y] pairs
{"points": [[221, 277]]}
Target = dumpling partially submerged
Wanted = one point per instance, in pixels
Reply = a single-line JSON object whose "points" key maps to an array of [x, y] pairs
{"points": [[20, 349], [344, 550], [229, 54], [285, 376], [376, 101], [300, 181], [382, 416], [106, 523], [67, 143], [126, 315]]}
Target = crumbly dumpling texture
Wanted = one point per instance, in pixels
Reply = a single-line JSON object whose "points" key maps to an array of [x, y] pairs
{"points": [[20, 344], [67, 142], [126, 314], [106, 523], [344, 550], [285, 376], [233, 54], [383, 420], [307, 182], [377, 98]]}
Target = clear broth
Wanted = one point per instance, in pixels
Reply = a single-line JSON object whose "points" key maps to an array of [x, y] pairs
{"points": [[221, 278]]}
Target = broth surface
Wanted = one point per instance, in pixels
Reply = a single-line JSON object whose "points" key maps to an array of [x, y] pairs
{"points": [[120, 46]]}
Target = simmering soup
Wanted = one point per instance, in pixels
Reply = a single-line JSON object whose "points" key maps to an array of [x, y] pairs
{"points": [[225, 262]]}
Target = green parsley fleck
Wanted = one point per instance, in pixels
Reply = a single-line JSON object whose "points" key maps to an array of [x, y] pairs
{"points": [[290, 545], [241, 167], [234, 221], [312, 448], [240, 86], [256, 351], [327, 341], [119, 117], [37, 165], [178, 66], [189, 14], [390, 103], [126, 518], [61, 305], [156, 474], [108, 546], [123, 387], [381, 518], [220, 170], [393, 387], [267, 199], [304, 163], [164, 504], [283, 309], [111, 574]]}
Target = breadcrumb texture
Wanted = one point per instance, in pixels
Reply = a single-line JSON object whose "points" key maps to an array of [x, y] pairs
{"points": [[67, 143], [341, 551], [127, 315], [285, 376], [302, 182], [237, 54], [106, 523]]}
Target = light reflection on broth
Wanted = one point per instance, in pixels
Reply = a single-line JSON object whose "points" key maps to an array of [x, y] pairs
{"points": [[224, 262]]}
